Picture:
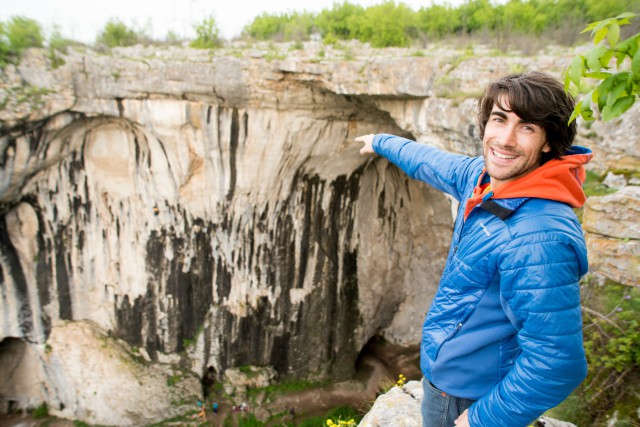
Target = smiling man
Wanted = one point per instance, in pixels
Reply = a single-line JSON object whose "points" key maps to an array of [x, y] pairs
{"points": [[502, 341]]}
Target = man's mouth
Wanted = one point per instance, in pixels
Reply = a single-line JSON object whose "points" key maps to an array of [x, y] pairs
{"points": [[502, 156]]}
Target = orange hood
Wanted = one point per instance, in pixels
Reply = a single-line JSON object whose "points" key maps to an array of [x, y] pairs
{"points": [[558, 179]]}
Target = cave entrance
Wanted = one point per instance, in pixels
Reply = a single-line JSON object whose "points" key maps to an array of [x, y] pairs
{"points": [[12, 374], [381, 362], [209, 381]]}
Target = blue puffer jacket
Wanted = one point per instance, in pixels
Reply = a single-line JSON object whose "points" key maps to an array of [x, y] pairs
{"points": [[505, 326]]}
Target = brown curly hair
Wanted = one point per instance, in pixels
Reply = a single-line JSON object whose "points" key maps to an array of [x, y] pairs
{"points": [[537, 98]]}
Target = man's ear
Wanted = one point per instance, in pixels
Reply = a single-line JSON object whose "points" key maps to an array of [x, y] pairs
{"points": [[546, 147]]}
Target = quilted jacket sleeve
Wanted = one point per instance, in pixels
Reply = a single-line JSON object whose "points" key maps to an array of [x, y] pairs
{"points": [[447, 172], [539, 284]]}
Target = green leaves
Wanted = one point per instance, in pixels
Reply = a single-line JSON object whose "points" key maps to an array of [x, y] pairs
{"points": [[117, 33], [619, 106], [575, 71], [17, 35], [616, 92], [206, 34]]}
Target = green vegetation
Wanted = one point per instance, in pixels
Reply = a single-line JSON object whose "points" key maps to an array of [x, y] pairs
{"points": [[249, 421], [612, 343], [17, 35], [295, 26], [395, 24], [344, 413], [58, 45], [117, 33], [23, 33], [172, 380], [41, 411], [385, 24], [207, 34], [17, 96], [334, 416], [616, 92], [593, 185]]}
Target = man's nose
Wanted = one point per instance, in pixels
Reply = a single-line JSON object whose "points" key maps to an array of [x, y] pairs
{"points": [[509, 138]]}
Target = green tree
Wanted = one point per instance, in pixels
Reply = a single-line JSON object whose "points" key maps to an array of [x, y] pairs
{"points": [[617, 90], [521, 16], [602, 9], [16, 35], [57, 45], [438, 21], [340, 20], [299, 26], [207, 34], [24, 33], [116, 33], [5, 48], [386, 24], [564, 13], [477, 15], [267, 26]]}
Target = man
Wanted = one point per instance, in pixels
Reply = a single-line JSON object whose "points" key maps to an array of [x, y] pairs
{"points": [[502, 341]]}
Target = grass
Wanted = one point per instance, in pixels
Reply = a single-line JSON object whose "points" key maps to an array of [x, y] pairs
{"points": [[41, 411], [593, 185], [611, 393]]}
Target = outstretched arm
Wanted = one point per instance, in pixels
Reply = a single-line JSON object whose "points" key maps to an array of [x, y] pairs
{"points": [[451, 173]]}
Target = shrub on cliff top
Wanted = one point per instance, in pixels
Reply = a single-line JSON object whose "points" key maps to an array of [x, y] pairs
{"points": [[17, 35], [116, 33], [207, 34], [24, 33]]}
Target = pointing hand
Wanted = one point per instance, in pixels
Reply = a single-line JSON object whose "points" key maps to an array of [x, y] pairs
{"points": [[368, 141]]}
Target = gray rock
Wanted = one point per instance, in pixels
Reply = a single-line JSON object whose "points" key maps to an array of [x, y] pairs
{"points": [[399, 407], [613, 235], [551, 422]]}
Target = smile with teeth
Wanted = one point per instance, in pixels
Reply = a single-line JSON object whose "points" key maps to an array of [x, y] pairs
{"points": [[502, 156]]}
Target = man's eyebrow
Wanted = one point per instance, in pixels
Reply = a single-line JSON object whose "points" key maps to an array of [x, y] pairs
{"points": [[498, 113], [503, 115]]}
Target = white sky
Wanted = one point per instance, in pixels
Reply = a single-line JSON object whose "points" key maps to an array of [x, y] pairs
{"points": [[81, 20]]}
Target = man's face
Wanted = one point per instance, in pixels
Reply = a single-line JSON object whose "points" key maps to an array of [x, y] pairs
{"points": [[511, 146]]}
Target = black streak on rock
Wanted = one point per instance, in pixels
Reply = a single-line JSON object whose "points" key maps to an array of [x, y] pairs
{"points": [[233, 148], [8, 252], [62, 274]]}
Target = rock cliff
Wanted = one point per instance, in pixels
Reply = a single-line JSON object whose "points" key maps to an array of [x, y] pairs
{"points": [[211, 208]]}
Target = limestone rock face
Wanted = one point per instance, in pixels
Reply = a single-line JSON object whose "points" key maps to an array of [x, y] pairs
{"points": [[238, 380], [216, 214], [613, 235], [85, 374]]}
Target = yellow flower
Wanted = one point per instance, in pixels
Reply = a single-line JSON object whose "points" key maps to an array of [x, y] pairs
{"points": [[341, 423]]}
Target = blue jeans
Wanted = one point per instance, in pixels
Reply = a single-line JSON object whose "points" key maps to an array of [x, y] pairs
{"points": [[440, 409]]}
